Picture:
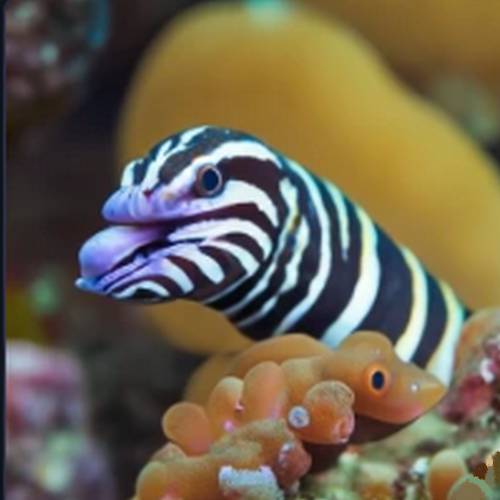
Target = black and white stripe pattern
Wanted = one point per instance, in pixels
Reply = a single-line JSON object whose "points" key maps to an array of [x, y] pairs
{"points": [[279, 250]]}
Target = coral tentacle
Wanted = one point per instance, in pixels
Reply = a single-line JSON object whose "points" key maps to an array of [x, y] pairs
{"points": [[187, 424]]}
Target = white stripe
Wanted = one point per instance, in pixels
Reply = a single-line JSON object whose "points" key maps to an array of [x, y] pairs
{"points": [[318, 283], [161, 267], [190, 134], [216, 228], [238, 148], [342, 218], [176, 274], [228, 149], [182, 183], [259, 287], [147, 285], [291, 276], [366, 288], [238, 192], [441, 362], [184, 139], [128, 174], [411, 337], [164, 152], [246, 259], [235, 192], [292, 268], [230, 288], [206, 264], [153, 171], [289, 196]]}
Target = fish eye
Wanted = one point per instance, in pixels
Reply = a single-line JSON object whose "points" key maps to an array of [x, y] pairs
{"points": [[208, 181], [377, 378]]}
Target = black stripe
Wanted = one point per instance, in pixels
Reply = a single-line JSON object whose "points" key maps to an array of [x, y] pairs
{"points": [[202, 144], [200, 281], [247, 243], [140, 169], [273, 285], [244, 169], [307, 269], [203, 287], [265, 175], [153, 152], [437, 318], [160, 279], [344, 273], [393, 305], [237, 294]]}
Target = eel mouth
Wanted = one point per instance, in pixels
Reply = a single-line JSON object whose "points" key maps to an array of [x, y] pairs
{"points": [[111, 255]]}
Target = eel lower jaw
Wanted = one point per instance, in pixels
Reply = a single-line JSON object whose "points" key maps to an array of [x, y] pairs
{"points": [[114, 253]]}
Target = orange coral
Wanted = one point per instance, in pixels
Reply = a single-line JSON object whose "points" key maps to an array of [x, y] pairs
{"points": [[322, 413], [267, 449], [315, 396], [445, 469]]}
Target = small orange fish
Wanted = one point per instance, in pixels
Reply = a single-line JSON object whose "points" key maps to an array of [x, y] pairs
{"points": [[385, 387]]}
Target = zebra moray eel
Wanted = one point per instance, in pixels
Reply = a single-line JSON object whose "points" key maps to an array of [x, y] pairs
{"points": [[216, 216]]}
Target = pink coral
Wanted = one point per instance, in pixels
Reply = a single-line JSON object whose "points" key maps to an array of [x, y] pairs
{"points": [[50, 453], [477, 377]]}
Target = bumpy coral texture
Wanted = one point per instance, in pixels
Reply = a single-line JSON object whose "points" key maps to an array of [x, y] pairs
{"points": [[407, 391], [448, 478], [267, 449], [318, 93], [50, 453], [476, 388], [49, 50], [257, 423], [438, 455]]}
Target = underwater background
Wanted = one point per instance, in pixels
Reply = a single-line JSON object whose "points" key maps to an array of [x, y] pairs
{"points": [[397, 103]]}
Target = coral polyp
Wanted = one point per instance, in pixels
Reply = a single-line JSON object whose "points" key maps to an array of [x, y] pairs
{"points": [[264, 450]]}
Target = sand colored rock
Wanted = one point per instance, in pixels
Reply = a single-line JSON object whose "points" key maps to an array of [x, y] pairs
{"points": [[427, 39]]}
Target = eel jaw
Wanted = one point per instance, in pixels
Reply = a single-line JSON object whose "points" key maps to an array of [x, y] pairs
{"points": [[112, 259]]}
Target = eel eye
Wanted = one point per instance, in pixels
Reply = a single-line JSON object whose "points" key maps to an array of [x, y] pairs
{"points": [[377, 379], [208, 181]]}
